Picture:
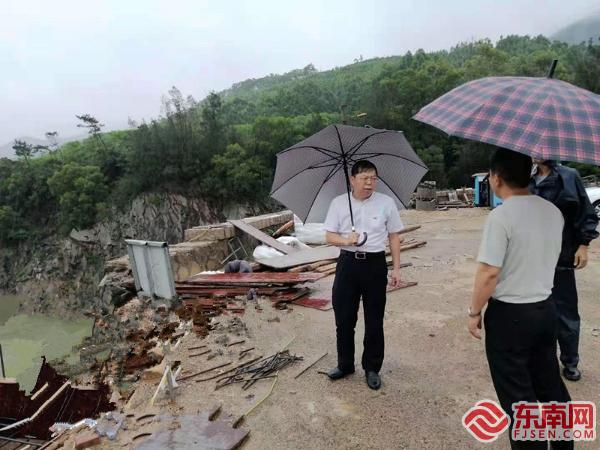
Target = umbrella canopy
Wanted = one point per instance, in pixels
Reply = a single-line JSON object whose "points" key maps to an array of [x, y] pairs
{"points": [[541, 117], [311, 173]]}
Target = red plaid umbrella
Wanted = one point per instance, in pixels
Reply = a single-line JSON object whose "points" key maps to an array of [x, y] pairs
{"points": [[542, 117]]}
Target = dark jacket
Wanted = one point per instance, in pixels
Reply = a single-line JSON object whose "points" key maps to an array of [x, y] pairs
{"points": [[564, 188]]}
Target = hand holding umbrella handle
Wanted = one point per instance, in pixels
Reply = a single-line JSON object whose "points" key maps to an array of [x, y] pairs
{"points": [[362, 240]]}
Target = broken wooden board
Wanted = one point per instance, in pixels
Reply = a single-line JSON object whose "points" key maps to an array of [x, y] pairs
{"points": [[328, 268], [311, 267], [403, 284], [409, 229], [301, 257], [263, 237]]}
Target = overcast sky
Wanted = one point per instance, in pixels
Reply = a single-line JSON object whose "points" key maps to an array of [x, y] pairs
{"points": [[115, 58]]}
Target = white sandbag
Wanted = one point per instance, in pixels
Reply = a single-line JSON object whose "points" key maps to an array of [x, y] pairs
{"points": [[293, 242], [264, 251], [309, 233]]}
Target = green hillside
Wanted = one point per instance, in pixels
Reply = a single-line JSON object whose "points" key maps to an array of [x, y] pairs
{"points": [[223, 148]]}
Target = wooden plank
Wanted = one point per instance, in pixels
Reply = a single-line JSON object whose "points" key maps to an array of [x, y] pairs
{"points": [[326, 268], [283, 228], [409, 229], [329, 267], [235, 279], [263, 237], [314, 361], [301, 257], [413, 245], [403, 284], [310, 267]]}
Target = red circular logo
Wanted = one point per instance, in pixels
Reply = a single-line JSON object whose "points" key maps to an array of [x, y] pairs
{"points": [[486, 421]]}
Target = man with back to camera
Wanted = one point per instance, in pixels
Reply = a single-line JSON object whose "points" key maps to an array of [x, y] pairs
{"points": [[563, 187], [519, 249], [362, 271]]}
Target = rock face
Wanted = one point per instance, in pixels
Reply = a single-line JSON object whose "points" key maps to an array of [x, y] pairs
{"points": [[62, 275]]}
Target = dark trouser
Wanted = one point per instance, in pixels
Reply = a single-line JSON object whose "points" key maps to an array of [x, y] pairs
{"points": [[520, 342], [564, 294], [355, 278]]}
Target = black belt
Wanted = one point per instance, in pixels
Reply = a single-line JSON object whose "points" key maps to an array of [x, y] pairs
{"points": [[541, 303], [361, 255]]}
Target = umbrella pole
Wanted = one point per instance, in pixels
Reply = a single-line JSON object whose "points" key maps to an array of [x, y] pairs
{"points": [[364, 238], [345, 167], [552, 67], [345, 164]]}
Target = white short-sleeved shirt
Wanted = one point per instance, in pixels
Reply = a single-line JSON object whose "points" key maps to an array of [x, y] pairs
{"points": [[523, 237], [377, 216]]}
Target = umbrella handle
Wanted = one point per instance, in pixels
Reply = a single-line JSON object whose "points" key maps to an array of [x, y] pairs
{"points": [[363, 240]]}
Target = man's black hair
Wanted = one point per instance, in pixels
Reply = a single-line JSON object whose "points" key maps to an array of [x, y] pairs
{"points": [[514, 168], [362, 166]]}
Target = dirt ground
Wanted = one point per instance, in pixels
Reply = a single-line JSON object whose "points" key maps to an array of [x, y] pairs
{"points": [[432, 374]]}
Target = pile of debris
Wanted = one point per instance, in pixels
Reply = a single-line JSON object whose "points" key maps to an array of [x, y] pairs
{"points": [[54, 400], [428, 198], [208, 295], [456, 198], [152, 431], [260, 370]]}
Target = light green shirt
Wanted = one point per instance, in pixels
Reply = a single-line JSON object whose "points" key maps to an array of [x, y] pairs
{"points": [[523, 237]]}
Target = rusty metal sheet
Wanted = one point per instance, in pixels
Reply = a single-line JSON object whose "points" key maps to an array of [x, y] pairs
{"points": [[223, 291], [234, 279], [323, 304], [290, 296], [197, 432]]}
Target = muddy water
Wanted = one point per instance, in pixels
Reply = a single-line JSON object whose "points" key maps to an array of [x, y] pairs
{"points": [[25, 338]]}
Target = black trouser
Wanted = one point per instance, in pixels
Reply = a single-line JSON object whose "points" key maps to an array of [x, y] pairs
{"points": [[564, 294], [355, 278], [520, 343]]}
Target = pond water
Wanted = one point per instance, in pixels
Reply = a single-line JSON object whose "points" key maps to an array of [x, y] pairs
{"points": [[25, 338]]}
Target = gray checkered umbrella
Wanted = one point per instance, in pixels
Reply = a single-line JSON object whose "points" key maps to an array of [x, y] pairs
{"points": [[313, 172]]}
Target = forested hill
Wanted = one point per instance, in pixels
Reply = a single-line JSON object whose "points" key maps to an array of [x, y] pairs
{"points": [[580, 31], [223, 148], [308, 90]]}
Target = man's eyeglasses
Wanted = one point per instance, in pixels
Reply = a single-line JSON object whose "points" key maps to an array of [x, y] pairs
{"points": [[365, 179]]}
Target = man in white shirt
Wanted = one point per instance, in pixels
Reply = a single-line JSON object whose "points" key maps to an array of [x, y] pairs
{"points": [[519, 249], [362, 271]]}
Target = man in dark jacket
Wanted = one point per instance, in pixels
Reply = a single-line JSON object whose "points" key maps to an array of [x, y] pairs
{"points": [[563, 187]]}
